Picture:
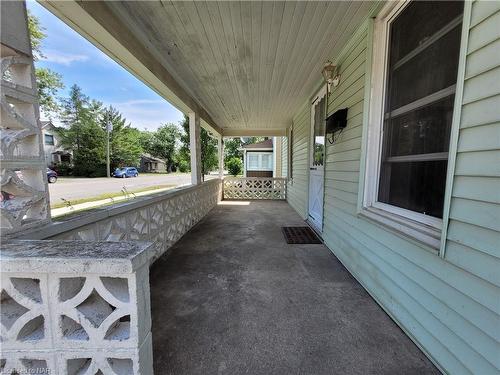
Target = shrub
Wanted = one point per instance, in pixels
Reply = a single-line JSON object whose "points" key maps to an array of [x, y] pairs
{"points": [[234, 166], [184, 166], [63, 169]]}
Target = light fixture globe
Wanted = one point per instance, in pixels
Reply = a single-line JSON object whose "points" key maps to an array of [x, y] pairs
{"points": [[332, 78], [329, 72]]}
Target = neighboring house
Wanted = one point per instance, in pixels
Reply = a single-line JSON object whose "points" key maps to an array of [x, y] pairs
{"points": [[262, 159], [54, 153], [150, 164]]}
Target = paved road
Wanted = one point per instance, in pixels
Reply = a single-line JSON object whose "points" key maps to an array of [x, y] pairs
{"points": [[78, 188]]}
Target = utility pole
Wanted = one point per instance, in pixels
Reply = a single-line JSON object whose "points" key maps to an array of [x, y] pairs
{"points": [[109, 127]]}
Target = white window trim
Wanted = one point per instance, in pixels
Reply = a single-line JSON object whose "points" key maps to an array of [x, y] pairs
{"points": [[260, 167], [423, 228]]}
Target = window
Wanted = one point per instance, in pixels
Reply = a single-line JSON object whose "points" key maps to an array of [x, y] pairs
{"points": [[253, 161], [318, 136], [416, 55], [259, 161], [49, 139]]}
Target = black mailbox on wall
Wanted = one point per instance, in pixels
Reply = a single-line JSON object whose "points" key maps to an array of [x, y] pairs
{"points": [[336, 121]]}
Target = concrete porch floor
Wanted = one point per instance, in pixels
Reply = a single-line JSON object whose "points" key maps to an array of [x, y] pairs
{"points": [[232, 297]]}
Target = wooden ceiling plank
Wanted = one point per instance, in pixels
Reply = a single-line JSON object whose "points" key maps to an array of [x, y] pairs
{"points": [[239, 58], [274, 49], [310, 15], [220, 77], [204, 66], [246, 34], [257, 12], [356, 12], [234, 106], [312, 62], [291, 19], [223, 84]]}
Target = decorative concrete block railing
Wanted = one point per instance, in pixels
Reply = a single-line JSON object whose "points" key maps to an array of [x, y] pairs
{"points": [[162, 218], [254, 188], [24, 202], [75, 307], [79, 302]]}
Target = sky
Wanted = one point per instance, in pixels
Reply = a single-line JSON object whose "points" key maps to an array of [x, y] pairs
{"points": [[100, 78]]}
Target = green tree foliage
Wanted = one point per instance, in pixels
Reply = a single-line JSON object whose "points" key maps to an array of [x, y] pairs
{"points": [[209, 158], [232, 148], [37, 35], [234, 166], [48, 82], [83, 134], [162, 143], [125, 141]]}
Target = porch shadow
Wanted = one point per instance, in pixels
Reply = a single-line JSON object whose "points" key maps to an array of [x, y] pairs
{"points": [[232, 297]]}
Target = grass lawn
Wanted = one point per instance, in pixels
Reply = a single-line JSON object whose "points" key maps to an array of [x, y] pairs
{"points": [[110, 195]]}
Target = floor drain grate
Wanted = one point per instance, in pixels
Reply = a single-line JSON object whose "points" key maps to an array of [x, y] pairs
{"points": [[300, 235]]}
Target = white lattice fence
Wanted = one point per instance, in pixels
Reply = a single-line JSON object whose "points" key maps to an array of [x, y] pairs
{"points": [[84, 311], [254, 188], [164, 220]]}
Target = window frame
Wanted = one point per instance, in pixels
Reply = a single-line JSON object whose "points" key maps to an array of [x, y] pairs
{"points": [[45, 136], [423, 228]]}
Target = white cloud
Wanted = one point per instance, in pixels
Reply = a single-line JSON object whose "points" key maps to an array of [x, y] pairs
{"points": [[63, 58], [148, 113]]}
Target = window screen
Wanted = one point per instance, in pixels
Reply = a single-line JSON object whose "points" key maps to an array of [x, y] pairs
{"points": [[253, 161], [267, 161], [424, 49]]}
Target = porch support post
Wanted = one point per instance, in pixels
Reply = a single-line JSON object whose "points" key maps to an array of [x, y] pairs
{"points": [[195, 147], [221, 156], [24, 190]]}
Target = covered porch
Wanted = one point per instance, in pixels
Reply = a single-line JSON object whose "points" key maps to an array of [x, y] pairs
{"points": [[191, 282], [232, 297]]}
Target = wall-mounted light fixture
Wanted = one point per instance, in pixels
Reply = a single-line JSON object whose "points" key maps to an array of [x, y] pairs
{"points": [[330, 74]]}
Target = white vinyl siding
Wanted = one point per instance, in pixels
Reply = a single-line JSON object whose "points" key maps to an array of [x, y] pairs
{"points": [[298, 186], [448, 306], [473, 241]]}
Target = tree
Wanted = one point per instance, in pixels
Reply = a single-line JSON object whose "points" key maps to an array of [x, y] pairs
{"points": [[234, 166], [125, 143], [83, 134], [48, 82], [48, 85], [162, 143], [37, 35], [209, 158], [232, 149]]}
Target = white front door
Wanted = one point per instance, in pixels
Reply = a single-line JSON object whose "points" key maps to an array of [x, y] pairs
{"points": [[317, 158]]}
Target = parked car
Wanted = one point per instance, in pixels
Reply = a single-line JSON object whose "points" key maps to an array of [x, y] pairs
{"points": [[51, 176], [126, 172]]}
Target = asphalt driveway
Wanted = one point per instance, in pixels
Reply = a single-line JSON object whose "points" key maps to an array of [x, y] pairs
{"points": [[71, 188]]}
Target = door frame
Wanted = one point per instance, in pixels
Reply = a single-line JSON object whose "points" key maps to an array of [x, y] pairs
{"points": [[317, 226]]}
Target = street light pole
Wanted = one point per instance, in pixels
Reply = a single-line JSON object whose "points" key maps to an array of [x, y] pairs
{"points": [[108, 131]]}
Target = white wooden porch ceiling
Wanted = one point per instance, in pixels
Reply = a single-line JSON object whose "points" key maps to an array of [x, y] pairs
{"points": [[249, 64]]}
